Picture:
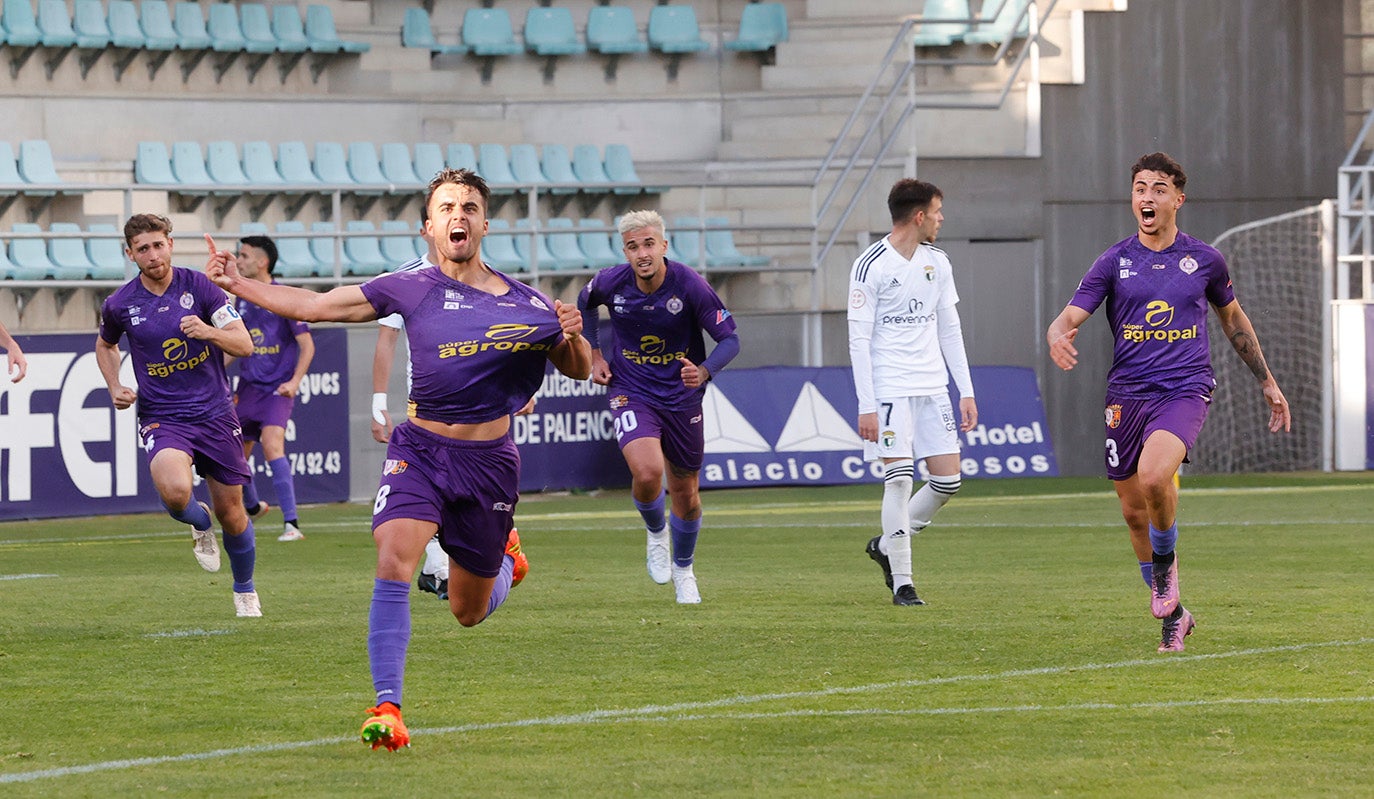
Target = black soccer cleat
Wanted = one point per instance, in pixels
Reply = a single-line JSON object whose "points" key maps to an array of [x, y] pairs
{"points": [[880, 559], [906, 595], [432, 584]]}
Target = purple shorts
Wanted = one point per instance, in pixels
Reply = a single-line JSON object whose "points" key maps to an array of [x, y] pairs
{"points": [[215, 445], [259, 407], [468, 488], [1129, 422], [680, 433]]}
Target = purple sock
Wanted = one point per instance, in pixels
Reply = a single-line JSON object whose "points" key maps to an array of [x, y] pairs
{"points": [[250, 495], [652, 513], [1147, 570], [684, 539], [388, 636], [1162, 541], [242, 552], [286, 487], [501, 590], [193, 514]]}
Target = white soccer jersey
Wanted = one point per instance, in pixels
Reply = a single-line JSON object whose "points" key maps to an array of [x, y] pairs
{"points": [[895, 308]]}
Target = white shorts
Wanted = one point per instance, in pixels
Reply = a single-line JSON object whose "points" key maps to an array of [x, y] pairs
{"points": [[914, 427]]}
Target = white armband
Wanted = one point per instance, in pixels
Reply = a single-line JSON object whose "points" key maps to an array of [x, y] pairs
{"points": [[379, 407], [225, 315]]}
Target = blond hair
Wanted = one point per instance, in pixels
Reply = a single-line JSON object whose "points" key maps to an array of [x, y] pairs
{"points": [[635, 220]]}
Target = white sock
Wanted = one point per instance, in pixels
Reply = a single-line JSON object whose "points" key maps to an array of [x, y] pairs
{"points": [[436, 560], [928, 500], [896, 540]]}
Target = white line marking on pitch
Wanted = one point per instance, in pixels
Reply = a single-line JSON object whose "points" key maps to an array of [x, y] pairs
{"points": [[676, 711], [188, 633], [24, 576]]}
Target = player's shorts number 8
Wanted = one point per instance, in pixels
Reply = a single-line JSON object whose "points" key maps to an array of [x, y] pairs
{"points": [[380, 502]]}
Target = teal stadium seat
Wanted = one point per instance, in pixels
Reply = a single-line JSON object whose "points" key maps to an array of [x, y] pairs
{"points": [[398, 168], [294, 258], [549, 31], [223, 26], [524, 165], [488, 32], [289, 29], [153, 165], [429, 161], [89, 24], [461, 155], [9, 168], [674, 29], [418, 32], [256, 23], [685, 241], [611, 30], [55, 23], [125, 31], [6, 268], [1011, 22], [363, 254], [293, 162], [331, 165], [20, 24], [620, 168], [365, 167], [188, 164], [189, 23], [494, 166], [498, 247], [721, 249], [68, 256], [762, 27], [106, 252], [322, 247], [601, 247], [36, 166], [156, 21], [29, 257], [259, 166], [528, 246], [956, 24], [222, 164], [563, 244], [556, 164], [588, 169], [398, 249], [322, 35]]}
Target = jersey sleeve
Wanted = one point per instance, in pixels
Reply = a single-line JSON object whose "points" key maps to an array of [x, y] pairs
{"points": [[382, 292], [863, 300], [111, 325], [1220, 293], [589, 304], [712, 314], [1095, 285]]}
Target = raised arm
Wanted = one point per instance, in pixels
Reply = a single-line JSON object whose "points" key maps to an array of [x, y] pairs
{"points": [[573, 355], [342, 304], [1063, 330], [1236, 325]]}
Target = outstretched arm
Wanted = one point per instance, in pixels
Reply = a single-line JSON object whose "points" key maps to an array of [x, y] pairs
{"points": [[1236, 325], [1063, 330], [342, 304]]}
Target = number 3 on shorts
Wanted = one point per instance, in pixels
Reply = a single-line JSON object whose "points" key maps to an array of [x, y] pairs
{"points": [[1113, 459]]}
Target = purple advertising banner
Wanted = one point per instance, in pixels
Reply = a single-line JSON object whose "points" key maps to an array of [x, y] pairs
{"points": [[568, 442], [65, 451], [795, 426]]}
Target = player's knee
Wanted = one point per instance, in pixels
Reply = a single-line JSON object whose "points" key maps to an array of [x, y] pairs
{"points": [[945, 485], [469, 617], [899, 470]]}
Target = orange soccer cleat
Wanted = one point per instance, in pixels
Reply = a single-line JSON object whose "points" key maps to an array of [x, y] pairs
{"points": [[522, 563], [385, 728]]}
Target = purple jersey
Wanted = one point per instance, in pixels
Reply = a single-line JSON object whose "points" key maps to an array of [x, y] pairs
{"points": [[275, 351], [178, 377], [474, 356], [1157, 310], [650, 333]]}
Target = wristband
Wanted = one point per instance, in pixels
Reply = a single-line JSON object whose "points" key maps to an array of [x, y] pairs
{"points": [[379, 407]]}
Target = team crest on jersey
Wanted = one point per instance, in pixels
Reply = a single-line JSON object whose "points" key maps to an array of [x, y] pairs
{"points": [[1188, 265], [1113, 416], [619, 401], [187, 300], [538, 303], [930, 273], [674, 305], [888, 438], [394, 466], [856, 299]]}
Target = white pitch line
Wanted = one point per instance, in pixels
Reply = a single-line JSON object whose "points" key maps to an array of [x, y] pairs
{"points": [[678, 711], [24, 576]]}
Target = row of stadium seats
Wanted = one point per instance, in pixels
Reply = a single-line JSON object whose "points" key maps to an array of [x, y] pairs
{"points": [[70, 254], [230, 30], [359, 169], [961, 28]]}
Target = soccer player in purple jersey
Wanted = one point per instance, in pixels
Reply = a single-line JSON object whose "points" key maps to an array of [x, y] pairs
{"points": [[478, 344], [1157, 285], [268, 382], [16, 365], [180, 326], [657, 368]]}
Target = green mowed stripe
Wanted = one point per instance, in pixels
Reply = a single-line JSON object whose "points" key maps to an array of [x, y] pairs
{"points": [[1031, 671]]}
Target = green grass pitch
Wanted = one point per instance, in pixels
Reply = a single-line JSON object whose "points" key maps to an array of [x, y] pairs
{"points": [[1032, 672]]}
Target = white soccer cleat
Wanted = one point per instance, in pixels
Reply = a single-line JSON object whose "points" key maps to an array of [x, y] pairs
{"points": [[205, 548], [246, 605], [291, 532], [658, 557], [685, 584]]}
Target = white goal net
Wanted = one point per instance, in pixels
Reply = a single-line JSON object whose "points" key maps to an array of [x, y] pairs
{"points": [[1276, 264]]}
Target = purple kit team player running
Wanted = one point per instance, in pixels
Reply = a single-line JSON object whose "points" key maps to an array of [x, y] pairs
{"points": [[179, 326], [1157, 285], [657, 368], [478, 346]]}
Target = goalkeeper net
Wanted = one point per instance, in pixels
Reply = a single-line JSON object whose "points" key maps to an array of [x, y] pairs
{"points": [[1277, 267]]}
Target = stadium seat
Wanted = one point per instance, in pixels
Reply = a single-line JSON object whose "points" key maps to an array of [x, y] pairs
{"points": [[294, 257], [396, 250], [20, 24], [29, 257], [36, 165], [549, 31], [563, 244], [331, 165], [761, 27], [156, 21], [498, 247], [324, 37], [293, 162], [942, 34], [495, 167], [322, 247], [488, 32], [106, 252], [363, 254], [1011, 23], [223, 26], [674, 29], [152, 164], [545, 260], [620, 168], [289, 29], [460, 155], [416, 31], [721, 249], [611, 30], [364, 166], [257, 29], [68, 256], [125, 32], [253, 229], [259, 167], [588, 169], [396, 166], [89, 25], [55, 23], [222, 164], [524, 164], [9, 168], [188, 164], [429, 161], [556, 165], [685, 240], [599, 246], [189, 23]]}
